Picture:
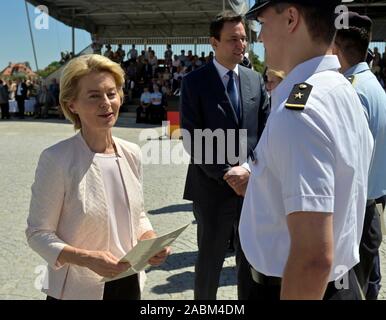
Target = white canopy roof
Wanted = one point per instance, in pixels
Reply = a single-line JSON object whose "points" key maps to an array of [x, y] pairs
{"points": [[166, 21], [132, 21]]}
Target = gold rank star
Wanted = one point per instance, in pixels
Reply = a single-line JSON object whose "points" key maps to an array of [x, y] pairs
{"points": [[299, 95]]}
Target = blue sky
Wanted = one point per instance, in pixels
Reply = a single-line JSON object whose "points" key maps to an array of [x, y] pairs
{"points": [[16, 43]]}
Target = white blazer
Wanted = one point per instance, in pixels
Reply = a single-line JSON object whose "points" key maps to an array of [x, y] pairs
{"points": [[68, 207]]}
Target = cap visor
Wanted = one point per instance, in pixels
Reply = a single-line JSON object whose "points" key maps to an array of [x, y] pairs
{"points": [[252, 14]]}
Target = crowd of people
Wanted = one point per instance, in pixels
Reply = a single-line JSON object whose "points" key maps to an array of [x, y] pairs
{"points": [[379, 66], [44, 97], [148, 76]]}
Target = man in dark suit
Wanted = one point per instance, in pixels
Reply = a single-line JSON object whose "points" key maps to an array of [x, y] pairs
{"points": [[224, 97], [20, 96]]}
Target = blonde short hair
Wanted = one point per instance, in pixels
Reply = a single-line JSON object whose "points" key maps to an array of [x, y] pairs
{"points": [[76, 70], [274, 73]]}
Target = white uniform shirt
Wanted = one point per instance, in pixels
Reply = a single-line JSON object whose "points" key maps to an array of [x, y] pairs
{"points": [[317, 160]]}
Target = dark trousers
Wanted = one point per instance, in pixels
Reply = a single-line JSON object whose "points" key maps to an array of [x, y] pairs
{"points": [[142, 115], [5, 111], [20, 106], [156, 114], [122, 289], [368, 269], [215, 225], [272, 292]]}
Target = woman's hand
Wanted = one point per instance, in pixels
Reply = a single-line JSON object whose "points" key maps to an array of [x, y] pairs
{"points": [[160, 257], [104, 264]]}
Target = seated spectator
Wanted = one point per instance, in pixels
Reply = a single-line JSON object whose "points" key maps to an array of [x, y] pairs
{"points": [[197, 63], [120, 54], [166, 89], [183, 58], [63, 58], [96, 47], [129, 88], [143, 109], [153, 61], [177, 79], [147, 71], [203, 58], [109, 53], [156, 110], [210, 57], [147, 53], [168, 55], [142, 57], [132, 55]]}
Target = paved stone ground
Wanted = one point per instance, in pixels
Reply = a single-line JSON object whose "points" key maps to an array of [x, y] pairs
{"points": [[20, 145]]}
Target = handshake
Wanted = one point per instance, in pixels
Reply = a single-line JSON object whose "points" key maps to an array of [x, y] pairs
{"points": [[237, 178]]}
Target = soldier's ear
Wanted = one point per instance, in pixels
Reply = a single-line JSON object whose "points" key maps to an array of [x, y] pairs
{"points": [[293, 17]]}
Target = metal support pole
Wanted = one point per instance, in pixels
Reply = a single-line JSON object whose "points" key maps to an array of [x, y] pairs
{"points": [[32, 38], [73, 34], [73, 41]]}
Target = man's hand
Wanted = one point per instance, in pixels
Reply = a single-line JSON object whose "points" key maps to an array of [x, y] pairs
{"points": [[237, 178]]}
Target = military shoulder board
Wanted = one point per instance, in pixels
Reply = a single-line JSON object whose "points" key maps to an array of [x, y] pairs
{"points": [[299, 96]]}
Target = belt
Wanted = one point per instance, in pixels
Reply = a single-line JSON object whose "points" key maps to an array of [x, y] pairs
{"points": [[265, 280]]}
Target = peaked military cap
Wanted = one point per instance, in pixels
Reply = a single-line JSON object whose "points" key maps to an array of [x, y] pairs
{"points": [[358, 21], [261, 4]]}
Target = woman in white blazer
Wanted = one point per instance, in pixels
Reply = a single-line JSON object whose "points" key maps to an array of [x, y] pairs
{"points": [[87, 207]]}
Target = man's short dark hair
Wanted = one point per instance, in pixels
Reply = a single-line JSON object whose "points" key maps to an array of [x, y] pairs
{"points": [[320, 22], [353, 43], [217, 24]]}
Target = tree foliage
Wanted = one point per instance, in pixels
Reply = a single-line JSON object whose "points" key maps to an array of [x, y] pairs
{"points": [[257, 64], [52, 67]]}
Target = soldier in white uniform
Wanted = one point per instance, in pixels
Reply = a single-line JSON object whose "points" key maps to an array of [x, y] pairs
{"points": [[303, 212]]}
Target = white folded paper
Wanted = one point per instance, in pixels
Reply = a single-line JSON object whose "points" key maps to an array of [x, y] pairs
{"points": [[144, 250], [382, 214]]}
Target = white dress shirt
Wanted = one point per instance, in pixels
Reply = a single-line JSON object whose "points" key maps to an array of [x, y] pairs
{"points": [[223, 73]]}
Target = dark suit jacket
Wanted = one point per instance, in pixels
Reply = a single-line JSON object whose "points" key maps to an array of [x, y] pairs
{"points": [[205, 104], [24, 90]]}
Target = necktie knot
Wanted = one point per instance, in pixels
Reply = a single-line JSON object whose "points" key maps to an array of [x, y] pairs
{"points": [[230, 74]]}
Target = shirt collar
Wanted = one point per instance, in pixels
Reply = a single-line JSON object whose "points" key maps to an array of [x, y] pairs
{"points": [[301, 73], [222, 71], [359, 68]]}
